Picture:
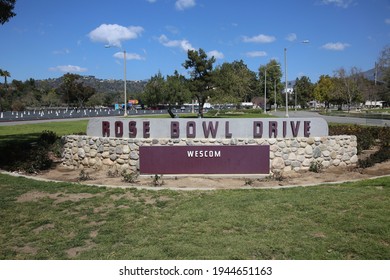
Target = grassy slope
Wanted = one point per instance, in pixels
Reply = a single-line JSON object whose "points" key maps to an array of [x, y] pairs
{"points": [[61, 221]]}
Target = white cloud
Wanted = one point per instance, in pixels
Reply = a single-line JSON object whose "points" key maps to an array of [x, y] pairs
{"points": [[129, 56], [114, 34], [256, 54], [291, 37], [68, 68], [387, 21], [261, 38], [151, 1], [335, 46], [185, 45], [338, 3], [61, 52], [216, 54], [184, 4]]}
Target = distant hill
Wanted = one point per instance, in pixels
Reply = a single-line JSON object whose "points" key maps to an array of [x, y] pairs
{"points": [[101, 85], [370, 75]]}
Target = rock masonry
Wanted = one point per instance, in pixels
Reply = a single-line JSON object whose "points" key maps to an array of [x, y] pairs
{"points": [[286, 154]]}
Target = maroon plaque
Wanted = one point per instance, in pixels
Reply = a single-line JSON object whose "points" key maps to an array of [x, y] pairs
{"points": [[204, 159]]}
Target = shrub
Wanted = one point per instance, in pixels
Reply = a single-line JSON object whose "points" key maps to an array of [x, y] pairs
{"points": [[366, 136], [30, 157], [84, 176], [157, 180], [381, 155], [384, 136], [316, 167], [129, 177]]}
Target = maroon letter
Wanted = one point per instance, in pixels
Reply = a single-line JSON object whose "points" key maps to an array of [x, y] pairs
{"points": [[284, 129], [295, 128], [175, 130], [210, 128], [306, 128], [146, 128], [273, 128], [106, 129], [191, 125], [132, 129], [257, 129], [227, 132], [118, 129]]}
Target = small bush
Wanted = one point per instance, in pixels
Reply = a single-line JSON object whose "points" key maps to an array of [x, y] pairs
{"points": [[157, 180], [129, 177], [381, 155], [29, 156], [384, 136], [316, 167], [277, 175], [249, 181], [113, 173], [48, 138], [84, 176]]}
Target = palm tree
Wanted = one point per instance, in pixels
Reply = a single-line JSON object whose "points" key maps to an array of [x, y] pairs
{"points": [[5, 74]]}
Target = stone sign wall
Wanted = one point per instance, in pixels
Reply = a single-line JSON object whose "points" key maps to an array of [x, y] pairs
{"points": [[286, 154]]}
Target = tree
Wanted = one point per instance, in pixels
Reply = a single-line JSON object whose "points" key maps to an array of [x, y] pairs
{"points": [[74, 92], [384, 67], [176, 89], [234, 83], [274, 76], [201, 82], [323, 89], [304, 90], [6, 10], [5, 74], [347, 88], [154, 93]]}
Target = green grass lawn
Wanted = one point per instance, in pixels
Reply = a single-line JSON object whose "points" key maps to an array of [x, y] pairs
{"points": [[22, 132], [45, 220], [42, 220]]}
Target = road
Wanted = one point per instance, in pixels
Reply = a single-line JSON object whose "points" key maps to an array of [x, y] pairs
{"points": [[67, 115], [332, 119]]}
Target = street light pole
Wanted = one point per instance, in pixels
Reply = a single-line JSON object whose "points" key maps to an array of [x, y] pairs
{"points": [[295, 107], [275, 94], [124, 78], [265, 90], [285, 76]]}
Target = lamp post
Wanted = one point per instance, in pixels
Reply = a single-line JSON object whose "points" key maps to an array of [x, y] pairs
{"points": [[285, 76], [265, 90], [295, 107], [124, 79], [275, 94]]}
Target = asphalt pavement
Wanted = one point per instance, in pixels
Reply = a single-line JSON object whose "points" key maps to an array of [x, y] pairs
{"points": [[332, 119], [35, 116]]}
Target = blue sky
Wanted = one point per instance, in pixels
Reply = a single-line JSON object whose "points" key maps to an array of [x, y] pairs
{"points": [[49, 38]]}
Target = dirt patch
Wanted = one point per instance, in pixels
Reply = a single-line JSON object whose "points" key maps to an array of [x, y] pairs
{"points": [[106, 178], [203, 182], [27, 249], [60, 197], [43, 227], [73, 252]]}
